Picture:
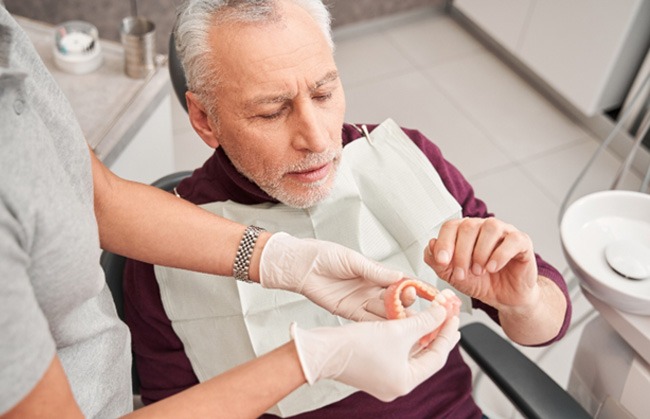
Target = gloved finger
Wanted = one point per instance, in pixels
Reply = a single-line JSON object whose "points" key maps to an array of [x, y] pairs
{"points": [[434, 357], [425, 321], [361, 303], [369, 269], [408, 296], [410, 312], [448, 334], [357, 313], [376, 308], [362, 315]]}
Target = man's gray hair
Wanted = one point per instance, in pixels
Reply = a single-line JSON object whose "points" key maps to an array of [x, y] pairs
{"points": [[197, 17]]}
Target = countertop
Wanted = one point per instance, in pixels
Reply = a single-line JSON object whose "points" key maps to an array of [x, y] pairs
{"points": [[110, 106]]}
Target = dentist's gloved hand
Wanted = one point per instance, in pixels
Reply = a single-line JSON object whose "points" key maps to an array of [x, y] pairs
{"points": [[379, 357], [336, 278]]}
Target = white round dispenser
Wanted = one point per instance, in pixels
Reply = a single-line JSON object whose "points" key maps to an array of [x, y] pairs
{"points": [[76, 47]]}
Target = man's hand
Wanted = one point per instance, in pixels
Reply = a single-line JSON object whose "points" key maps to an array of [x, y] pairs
{"points": [[486, 259], [336, 278], [494, 262]]}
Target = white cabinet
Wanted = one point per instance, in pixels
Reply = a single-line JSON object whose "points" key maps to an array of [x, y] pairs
{"points": [[586, 50], [503, 20]]}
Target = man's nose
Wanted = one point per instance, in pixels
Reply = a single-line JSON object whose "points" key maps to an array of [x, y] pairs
{"points": [[309, 130]]}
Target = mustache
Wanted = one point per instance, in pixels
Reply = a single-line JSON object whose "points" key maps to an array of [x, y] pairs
{"points": [[312, 160]]}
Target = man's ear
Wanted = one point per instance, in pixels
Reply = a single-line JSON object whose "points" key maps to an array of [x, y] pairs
{"points": [[200, 121]]}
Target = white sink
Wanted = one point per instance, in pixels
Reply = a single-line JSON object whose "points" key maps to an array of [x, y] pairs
{"points": [[602, 220]]}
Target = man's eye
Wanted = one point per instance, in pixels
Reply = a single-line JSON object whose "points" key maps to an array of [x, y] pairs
{"points": [[274, 115], [271, 115], [324, 97]]}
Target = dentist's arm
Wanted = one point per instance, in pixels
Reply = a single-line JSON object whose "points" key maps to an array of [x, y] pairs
{"points": [[148, 224], [494, 262], [376, 357], [153, 226]]}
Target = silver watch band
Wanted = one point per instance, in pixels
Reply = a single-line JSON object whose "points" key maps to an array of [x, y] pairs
{"points": [[244, 253]]}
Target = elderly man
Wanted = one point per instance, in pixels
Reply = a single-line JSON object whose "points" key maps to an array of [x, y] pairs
{"points": [[264, 92], [64, 353]]}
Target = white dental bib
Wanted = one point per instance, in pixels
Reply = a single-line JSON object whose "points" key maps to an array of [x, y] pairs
{"points": [[387, 203]]}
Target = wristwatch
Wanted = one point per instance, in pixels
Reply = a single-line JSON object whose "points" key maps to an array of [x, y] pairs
{"points": [[245, 252]]}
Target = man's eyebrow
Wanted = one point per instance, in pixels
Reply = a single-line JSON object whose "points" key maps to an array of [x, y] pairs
{"points": [[331, 76], [270, 99], [282, 98]]}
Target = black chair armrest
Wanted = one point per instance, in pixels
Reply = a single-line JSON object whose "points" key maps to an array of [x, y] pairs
{"points": [[527, 386]]}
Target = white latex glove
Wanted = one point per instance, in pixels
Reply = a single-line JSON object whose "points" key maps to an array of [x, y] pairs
{"points": [[336, 278], [382, 358]]}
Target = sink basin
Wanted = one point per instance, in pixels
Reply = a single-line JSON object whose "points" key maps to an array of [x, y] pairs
{"points": [[596, 223]]}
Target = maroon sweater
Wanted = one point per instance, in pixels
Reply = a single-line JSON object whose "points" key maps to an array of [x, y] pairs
{"points": [[164, 369]]}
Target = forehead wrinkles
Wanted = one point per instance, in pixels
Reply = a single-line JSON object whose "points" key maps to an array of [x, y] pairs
{"points": [[267, 48], [262, 88], [247, 57], [241, 55]]}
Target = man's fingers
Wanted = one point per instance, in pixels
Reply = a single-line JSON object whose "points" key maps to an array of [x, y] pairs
{"points": [[513, 244], [491, 235], [443, 270], [474, 246], [445, 244], [467, 233], [429, 259]]}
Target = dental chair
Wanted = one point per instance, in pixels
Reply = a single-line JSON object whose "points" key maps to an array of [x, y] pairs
{"points": [[533, 393], [176, 72]]}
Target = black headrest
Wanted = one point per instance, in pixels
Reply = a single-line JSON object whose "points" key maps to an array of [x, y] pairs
{"points": [[176, 73]]}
